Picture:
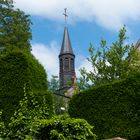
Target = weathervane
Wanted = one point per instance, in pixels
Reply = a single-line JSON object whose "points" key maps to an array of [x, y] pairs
{"points": [[65, 14]]}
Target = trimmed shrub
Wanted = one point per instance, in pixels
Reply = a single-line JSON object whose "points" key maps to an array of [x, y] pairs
{"points": [[63, 128], [114, 109], [17, 71]]}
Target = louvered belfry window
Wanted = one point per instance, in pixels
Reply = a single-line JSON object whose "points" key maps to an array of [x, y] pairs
{"points": [[66, 64]]}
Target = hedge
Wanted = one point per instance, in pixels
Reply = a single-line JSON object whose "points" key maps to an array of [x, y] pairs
{"points": [[19, 70], [64, 128], [114, 109]]}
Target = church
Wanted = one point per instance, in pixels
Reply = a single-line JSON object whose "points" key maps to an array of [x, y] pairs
{"points": [[67, 74]]}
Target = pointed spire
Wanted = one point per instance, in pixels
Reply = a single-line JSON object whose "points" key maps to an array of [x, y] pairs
{"points": [[66, 44]]}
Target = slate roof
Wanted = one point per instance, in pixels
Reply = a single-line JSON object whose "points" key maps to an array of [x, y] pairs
{"points": [[138, 45], [66, 44]]}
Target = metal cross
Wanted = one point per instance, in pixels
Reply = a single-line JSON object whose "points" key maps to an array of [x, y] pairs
{"points": [[65, 14]]}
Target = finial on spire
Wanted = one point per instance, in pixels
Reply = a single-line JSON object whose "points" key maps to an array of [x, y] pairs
{"points": [[65, 14]]}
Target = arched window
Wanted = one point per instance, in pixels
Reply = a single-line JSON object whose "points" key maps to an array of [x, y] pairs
{"points": [[61, 64], [66, 64], [72, 63]]}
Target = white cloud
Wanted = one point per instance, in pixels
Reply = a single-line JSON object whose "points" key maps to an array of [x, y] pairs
{"points": [[48, 57], [84, 64], [107, 13]]}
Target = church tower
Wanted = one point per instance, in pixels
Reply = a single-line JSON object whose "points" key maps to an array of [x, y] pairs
{"points": [[66, 60]]}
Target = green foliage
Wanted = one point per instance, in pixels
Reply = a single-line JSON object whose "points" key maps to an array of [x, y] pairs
{"points": [[60, 104], [32, 121], [114, 109], [15, 29], [31, 108], [64, 128], [110, 63], [2, 126], [17, 70], [59, 101], [54, 83]]}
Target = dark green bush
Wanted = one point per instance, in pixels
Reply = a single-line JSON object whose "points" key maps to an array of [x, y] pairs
{"points": [[63, 128], [17, 71], [114, 109]]}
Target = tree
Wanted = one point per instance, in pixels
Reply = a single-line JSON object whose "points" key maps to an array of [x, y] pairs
{"points": [[15, 29], [54, 83], [110, 63]]}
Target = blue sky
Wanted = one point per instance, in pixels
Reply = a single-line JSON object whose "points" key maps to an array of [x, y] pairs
{"points": [[88, 22]]}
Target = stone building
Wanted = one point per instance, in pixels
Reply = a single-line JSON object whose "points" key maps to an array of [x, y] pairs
{"points": [[67, 76], [66, 62]]}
